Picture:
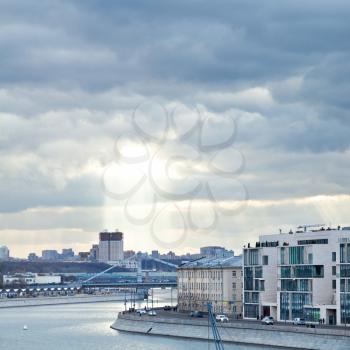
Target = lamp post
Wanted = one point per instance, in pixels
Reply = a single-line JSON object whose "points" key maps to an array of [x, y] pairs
{"points": [[152, 299]]}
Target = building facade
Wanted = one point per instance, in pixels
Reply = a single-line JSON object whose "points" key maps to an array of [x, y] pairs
{"points": [[30, 279], [303, 274], [215, 252], [50, 254], [4, 253], [215, 280], [110, 247]]}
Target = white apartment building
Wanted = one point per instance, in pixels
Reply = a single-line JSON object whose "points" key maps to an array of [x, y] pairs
{"points": [[110, 247], [30, 278], [215, 280], [302, 274]]}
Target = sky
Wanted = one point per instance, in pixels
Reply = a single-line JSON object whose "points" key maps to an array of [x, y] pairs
{"points": [[182, 124]]}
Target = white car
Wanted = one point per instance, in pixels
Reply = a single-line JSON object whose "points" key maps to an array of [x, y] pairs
{"points": [[221, 318], [267, 320], [299, 321], [152, 313], [141, 311]]}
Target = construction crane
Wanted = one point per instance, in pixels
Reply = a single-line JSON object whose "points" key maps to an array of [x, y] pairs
{"points": [[216, 335]]}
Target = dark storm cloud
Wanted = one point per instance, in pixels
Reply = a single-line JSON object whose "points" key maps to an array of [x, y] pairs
{"points": [[96, 45]]}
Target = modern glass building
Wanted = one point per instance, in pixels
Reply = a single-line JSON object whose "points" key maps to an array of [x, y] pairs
{"points": [[303, 274]]}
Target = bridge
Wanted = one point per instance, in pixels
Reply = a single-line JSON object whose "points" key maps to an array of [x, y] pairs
{"points": [[130, 285], [139, 283]]}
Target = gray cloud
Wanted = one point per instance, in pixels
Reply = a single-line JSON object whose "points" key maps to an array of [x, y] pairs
{"points": [[72, 73]]}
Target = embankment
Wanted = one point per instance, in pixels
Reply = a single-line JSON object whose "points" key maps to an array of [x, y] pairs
{"points": [[277, 336], [44, 301]]}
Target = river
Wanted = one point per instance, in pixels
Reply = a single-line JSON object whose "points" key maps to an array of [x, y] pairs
{"points": [[85, 327]]}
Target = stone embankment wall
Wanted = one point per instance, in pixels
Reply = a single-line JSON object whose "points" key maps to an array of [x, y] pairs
{"points": [[279, 336], [41, 301]]}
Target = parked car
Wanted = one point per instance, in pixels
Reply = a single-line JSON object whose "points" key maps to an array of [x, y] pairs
{"points": [[141, 311], [267, 320], [152, 313], [221, 318], [167, 308], [196, 314], [299, 321]]}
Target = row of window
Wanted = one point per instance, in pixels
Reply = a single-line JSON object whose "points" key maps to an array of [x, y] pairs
{"points": [[251, 297], [200, 296], [313, 241], [292, 305], [306, 271], [255, 272], [303, 285], [200, 285], [202, 273], [254, 284]]}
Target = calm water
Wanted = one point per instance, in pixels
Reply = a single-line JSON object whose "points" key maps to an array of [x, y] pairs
{"points": [[84, 326]]}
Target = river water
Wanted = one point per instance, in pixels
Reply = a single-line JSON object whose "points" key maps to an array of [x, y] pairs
{"points": [[85, 327]]}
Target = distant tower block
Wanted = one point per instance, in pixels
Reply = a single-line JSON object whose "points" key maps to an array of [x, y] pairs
{"points": [[110, 247]]}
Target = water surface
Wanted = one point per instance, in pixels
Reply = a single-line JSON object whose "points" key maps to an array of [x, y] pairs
{"points": [[85, 327]]}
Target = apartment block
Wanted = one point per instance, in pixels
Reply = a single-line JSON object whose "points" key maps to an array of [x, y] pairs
{"points": [[215, 280], [110, 247], [303, 274]]}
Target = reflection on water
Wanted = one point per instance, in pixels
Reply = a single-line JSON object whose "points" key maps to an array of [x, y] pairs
{"points": [[83, 326]]}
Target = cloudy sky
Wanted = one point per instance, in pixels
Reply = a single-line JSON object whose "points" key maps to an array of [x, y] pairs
{"points": [[182, 123]]}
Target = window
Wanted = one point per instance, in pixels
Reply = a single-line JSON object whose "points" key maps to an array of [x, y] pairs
{"points": [[262, 285], [283, 251], [342, 253], [251, 257], [251, 310], [334, 284], [284, 306], [342, 285], [302, 285], [298, 302], [248, 278], [309, 258], [285, 272], [258, 272], [334, 270], [312, 314], [345, 308], [334, 256], [313, 241], [296, 255], [309, 271], [233, 273], [265, 260], [233, 285], [344, 270], [289, 285]]}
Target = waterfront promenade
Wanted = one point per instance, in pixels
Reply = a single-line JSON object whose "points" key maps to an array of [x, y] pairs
{"points": [[173, 324]]}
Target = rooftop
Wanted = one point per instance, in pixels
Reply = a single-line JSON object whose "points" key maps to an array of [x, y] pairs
{"points": [[205, 263]]}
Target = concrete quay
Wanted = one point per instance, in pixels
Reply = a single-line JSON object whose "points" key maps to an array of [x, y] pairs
{"points": [[279, 336], [62, 300]]}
